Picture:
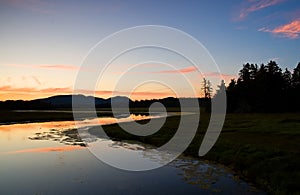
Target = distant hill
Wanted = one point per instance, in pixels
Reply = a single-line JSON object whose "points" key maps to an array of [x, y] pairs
{"points": [[66, 101], [63, 101]]}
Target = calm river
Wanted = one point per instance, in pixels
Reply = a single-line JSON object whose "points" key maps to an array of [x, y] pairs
{"points": [[39, 158]]}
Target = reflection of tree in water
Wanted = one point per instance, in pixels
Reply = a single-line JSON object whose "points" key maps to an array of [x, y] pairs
{"points": [[201, 173], [205, 175], [68, 137]]}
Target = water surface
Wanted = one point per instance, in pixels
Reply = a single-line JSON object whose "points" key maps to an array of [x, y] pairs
{"points": [[41, 158]]}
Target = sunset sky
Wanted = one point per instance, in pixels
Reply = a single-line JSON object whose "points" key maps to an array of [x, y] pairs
{"points": [[43, 43]]}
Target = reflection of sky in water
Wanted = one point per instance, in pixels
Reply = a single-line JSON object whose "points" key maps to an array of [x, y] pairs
{"points": [[15, 136], [50, 167]]}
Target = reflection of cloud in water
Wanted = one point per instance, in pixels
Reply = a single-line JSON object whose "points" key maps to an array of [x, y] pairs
{"points": [[72, 124], [41, 125], [198, 172], [48, 149], [66, 131], [203, 174]]}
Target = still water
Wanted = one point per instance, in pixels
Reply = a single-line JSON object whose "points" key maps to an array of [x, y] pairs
{"points": [[41, 158]]}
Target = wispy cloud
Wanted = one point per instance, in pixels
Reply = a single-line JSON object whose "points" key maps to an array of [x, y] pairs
{"points": [[256, 5], [31, 78], [186, 70], [58, 67], [36, 80], [241, 28], [180, 71], [219, 75], [216, 76], [290, 30], [47, 66], [8, 88]]}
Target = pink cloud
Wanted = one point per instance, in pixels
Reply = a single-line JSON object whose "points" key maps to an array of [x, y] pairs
{"points": [[290, 30], [58, 67], [56, 90], [182, 71], [254, 5], [32, 90], [47, 66], [219, 75], [174, 71]]}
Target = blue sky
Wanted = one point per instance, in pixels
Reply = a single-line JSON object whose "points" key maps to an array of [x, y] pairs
{"points": [[44, 42]]}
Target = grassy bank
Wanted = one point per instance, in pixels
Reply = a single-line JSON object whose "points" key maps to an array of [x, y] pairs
{"points": [[263, 148]]}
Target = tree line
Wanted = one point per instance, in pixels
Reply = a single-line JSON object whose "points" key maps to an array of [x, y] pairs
{"points": [[264, 88]]}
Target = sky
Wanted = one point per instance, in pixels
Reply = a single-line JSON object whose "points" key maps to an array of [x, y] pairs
{"points": [[47, 45]]}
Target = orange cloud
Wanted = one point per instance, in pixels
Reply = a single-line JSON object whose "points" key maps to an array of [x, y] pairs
{"points": [[29, 93], [20, 96], [8, 88], [290, 30], [47, 66], [57, 90], [49, 149], [255, 6], [58, 67], [183, 70]]}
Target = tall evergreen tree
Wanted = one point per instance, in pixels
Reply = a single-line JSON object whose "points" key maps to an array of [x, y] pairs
{"points": [[245, 72], [296, 76], [264, 89], [287, 77], [253, 71], [207, 88]]}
